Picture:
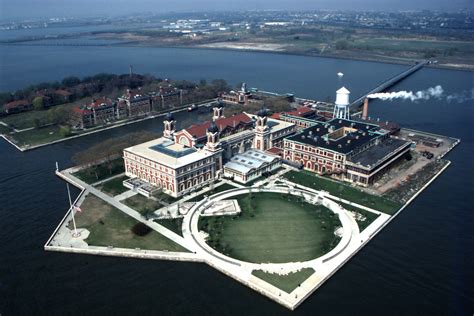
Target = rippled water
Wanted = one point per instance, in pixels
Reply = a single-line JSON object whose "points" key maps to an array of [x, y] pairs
{"points": [[422, 263]]}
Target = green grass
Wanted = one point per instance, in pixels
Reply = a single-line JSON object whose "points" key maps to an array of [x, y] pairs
{"points": [[343, 191], [221, 188], [4, 130], [369, 216], [142, 204], [287, 282], [25, 119], [114, 186], [108, 226], [273, 228], [103, 172], [173, 224], [37, 136]]}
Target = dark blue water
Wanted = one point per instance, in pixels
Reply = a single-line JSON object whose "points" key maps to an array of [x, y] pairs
{"points": [[421, 264]]}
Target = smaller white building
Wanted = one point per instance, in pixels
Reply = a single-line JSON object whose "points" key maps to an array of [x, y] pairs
{"points": [[250, 165]]}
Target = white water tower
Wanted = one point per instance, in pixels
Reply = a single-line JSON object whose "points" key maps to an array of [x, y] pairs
{"points": [[341, 108]]}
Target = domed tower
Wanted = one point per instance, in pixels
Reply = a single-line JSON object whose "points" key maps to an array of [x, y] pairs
{"points": [[213, 146], [218, 111], [341, 107], [262, 132], [170, 125], [212, 137], [261, 123]]}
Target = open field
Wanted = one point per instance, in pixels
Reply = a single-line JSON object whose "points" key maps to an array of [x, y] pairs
{"points": [[37, 136], [100, 172], [173, 224], [114, 187], [273, 228], [287, 282], [108, 226], [343, 191], [142, 204]]}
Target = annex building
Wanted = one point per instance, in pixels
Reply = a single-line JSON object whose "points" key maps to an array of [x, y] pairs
{"points": [[356, 151]]}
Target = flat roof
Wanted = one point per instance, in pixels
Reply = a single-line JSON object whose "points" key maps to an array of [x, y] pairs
{"points": [[165, 151], [318, 135], [375, 154]]}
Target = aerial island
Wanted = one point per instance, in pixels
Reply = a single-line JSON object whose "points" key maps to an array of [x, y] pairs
{"points": [[275, 191]]}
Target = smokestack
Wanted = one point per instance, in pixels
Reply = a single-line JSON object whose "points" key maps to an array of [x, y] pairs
{"points": [[365, 109]]}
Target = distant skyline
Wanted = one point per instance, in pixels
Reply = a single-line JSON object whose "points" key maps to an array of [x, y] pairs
{"points": [[15, 9]]}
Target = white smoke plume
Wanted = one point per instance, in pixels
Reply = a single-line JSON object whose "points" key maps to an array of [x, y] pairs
{"points": [[436, 92], [466, 95]]}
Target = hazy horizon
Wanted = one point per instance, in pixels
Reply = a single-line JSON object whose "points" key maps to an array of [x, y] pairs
{"points": [[26, 9]]}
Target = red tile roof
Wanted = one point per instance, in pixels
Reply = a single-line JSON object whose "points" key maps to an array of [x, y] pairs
{"points": [[275, 150], [100, 102], [17, 103], [63, 92], [301, 111], [199, 130], [82, 111]]}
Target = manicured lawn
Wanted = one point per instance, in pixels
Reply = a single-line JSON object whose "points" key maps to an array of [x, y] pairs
{"points": [[173, 224], [343, 191], [114, 186], [369, 216], [142, 204], [273, 228], [88, 175], [38, 136], [110, 227], [221, 188], [287, 282], [4, 130], [25, 119]]}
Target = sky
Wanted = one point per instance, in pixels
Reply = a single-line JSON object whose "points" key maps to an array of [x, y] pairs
{"points": [[12, 9]]}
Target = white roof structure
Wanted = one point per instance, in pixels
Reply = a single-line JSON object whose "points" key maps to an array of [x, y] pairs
{"points": [[250, 160], [165, 151], [343, 90]]}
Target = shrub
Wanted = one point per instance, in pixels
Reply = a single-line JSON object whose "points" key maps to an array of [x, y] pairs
{"points": [[141, 229]]}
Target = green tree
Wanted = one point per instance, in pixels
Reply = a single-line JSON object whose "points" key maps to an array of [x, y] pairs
{"points": [[37, 122], [71, 81], [65, 130], [58, 115], [38, 103], [342, 45]]}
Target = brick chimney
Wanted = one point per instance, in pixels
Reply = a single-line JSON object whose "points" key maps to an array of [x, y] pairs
{"points": [[365, 109]]}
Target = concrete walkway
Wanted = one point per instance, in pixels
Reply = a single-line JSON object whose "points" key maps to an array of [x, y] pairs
{"points": [[324, 266], [129, 211]]}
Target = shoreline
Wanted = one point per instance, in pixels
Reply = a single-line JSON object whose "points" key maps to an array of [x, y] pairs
{"points": [[382, 59], [309, 286], [127, 122]]}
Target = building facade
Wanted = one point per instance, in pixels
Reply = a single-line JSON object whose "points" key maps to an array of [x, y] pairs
{"points": [[185, 160]]}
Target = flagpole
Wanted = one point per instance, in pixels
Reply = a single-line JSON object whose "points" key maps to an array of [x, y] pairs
{"points": [[72, 211]]}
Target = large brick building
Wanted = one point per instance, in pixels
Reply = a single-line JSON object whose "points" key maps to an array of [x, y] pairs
{"points": [[99, 111], [353, 151], [180, 162], [136, 103]]}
